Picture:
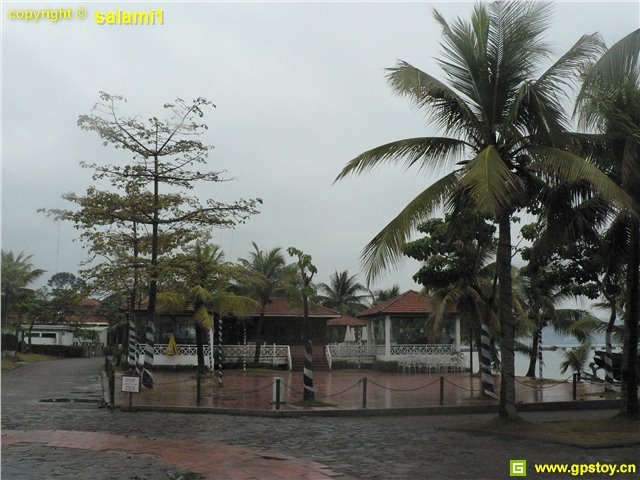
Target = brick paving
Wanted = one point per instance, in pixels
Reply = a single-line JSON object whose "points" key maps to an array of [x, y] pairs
{"points": [[342, 389], [41, 439]]}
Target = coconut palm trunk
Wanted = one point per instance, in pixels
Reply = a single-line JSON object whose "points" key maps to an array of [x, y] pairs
{"points": [[505, 313], [534, 355], [629, 399], [608, 360]]}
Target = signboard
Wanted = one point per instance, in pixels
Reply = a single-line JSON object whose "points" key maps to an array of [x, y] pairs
{"points": [[131, 384]]}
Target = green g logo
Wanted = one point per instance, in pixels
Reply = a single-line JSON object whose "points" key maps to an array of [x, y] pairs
{"points": [[517, 468]]}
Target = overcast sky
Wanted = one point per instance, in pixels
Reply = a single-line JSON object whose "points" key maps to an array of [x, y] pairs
{"points": [[299, 90]]}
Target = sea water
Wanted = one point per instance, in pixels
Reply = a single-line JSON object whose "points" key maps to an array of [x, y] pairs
{"points": [[554, 347]]}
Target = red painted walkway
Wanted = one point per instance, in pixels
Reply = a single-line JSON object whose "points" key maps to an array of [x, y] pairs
{"points": [[212, 460]]}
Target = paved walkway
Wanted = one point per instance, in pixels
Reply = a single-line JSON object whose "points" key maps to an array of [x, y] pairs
{"points": [[342, 389], [75, 440]]}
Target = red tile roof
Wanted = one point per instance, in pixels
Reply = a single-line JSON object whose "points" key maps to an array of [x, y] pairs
{"points": [[347, 320], [279, 307], [407, 303]]}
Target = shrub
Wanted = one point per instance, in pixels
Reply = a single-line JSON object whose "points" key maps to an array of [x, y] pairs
{"points": [[69, 351], [344, 365], [381, 366], [9, 341]]}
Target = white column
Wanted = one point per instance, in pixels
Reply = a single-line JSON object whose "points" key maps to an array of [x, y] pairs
{"points": [[387, 336], [457, 334]]}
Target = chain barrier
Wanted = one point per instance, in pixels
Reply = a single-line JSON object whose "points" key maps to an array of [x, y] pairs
{"points": [[344, 391], [404, 389], [461, 387], [236, 394], [544, 386], [291, 388]]}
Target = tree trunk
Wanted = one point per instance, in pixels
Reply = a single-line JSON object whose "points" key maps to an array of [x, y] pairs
{"points": [[256, 358], [505, 314], [305, 310], [484, 354], [533, 356], [608, 360], [200, 348], [147, 374], [132, 336], [629, 397]]}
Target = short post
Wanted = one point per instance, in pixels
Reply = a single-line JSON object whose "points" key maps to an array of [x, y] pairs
{"points": [[441, 390], [309, 391], [112, 385], [278, 393], [364, 392], [198, 388], [575, 386]]}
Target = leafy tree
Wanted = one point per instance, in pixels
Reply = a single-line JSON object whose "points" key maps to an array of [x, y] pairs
{"points": [[454, 252], [503, 129], [65, 296], [265, 270], [166, 159], [17, 274], [302, 282], [344, 293]]}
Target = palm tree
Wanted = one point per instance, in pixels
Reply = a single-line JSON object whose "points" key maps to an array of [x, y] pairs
{"points": [[609, 104], [385, 294], [17, 273], [343, 293], [205, 280], [503, 130], [575, 359], [264, 280], [538, 300]]}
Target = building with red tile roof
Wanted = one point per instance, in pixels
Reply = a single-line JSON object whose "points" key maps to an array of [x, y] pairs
{"points": [[405, 320]]}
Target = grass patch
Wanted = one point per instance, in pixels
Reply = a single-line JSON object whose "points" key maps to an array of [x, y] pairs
{"points": [[612, 432], [9, 363], [313, 403], [543, 381]]}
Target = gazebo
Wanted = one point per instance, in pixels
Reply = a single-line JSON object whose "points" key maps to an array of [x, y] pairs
{"points": [[400, 325]]}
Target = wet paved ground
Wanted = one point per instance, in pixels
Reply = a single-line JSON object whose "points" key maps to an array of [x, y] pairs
{"points": [[41, 439], [342, 389]]}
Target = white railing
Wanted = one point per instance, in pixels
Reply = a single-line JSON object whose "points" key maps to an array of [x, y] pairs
{"points": [[327, 353], [349, 350], [417, 350], [274, 354]]}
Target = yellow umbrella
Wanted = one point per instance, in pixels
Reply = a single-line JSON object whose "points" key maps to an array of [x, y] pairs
{"points": [[172, 347]]}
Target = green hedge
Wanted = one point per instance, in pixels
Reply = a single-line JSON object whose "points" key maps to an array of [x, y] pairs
{"points": [[69, 351], [391, 366], [9, 342]]}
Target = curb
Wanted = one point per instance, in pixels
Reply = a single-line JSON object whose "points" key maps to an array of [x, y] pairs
{"points": [[380, 412]]}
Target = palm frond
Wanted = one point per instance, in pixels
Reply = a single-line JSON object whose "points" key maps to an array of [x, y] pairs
{"points": [[385, 250], [428, 152], [448, 109], [615, 65], [199, 294], [203, 317], [237, 305], [492, 185], [565, 166]]}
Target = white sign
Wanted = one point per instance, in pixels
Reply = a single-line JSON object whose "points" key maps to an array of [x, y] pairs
{"points": [[130, 384]]}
